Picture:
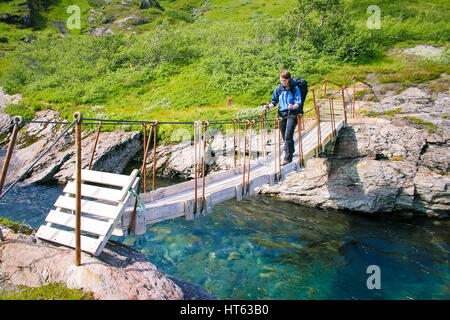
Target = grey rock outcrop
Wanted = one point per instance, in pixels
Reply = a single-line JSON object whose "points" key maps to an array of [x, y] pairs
{"points": [[419, 103], [98, 32], [146, 4], [5, 99], [396, 162], [113, 153], [119, 273], [376, 165]]}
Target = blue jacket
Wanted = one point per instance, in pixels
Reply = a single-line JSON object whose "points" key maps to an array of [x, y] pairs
{"points": [[284, 96]]}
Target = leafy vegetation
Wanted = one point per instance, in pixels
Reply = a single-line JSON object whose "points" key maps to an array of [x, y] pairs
{"points": [[48, 292], [19, 110], [180, 66], [15, 226], [431, 127]]}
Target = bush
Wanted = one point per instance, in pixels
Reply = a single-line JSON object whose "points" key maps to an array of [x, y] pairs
{"points": [[336, 35], [175, 15], [19, 110]]}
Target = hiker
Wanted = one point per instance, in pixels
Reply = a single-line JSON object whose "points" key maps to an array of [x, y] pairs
{"points": [[287, 94]]}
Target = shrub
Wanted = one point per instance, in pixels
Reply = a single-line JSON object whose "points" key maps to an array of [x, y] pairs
{"points": [[19, 110]]}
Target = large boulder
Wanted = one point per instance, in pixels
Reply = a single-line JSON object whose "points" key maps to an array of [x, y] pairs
{"points": [[375, 165], [146, 4], [119, 273]]}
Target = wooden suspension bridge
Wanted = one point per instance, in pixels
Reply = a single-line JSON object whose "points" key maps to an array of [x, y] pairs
{"points": [[97, 205]]}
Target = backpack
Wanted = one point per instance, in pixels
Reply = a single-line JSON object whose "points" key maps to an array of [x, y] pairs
{"points": [[302, 86]]}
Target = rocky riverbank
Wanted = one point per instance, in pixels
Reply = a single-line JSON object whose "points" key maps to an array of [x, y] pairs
{"points": [[393, 157], [114, 149], [119, 273]]}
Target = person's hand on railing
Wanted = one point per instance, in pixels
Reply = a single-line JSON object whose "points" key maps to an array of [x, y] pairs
{"points": [[268, 106]]}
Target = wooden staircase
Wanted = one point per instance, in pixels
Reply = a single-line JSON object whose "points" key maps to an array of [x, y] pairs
{"points": [[105, 197]]}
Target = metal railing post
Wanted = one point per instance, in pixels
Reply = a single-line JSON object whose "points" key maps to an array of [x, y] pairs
{"points": [[319, 138], [245, 151], [18, 121], [79, 117], [249, 155], [300, 143], [279, 147], [343, 106], [205, 125], [354, 96], [155, 126], [196, 142], [239, 141], [234, 142], [144, 162], [331, 116], [94, 147], [275, 121]]}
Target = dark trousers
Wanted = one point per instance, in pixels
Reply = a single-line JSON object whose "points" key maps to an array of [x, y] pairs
{"points": [[287, 127]]}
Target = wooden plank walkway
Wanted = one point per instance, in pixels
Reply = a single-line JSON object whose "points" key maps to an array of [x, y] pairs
{"points": [[178, 200]]}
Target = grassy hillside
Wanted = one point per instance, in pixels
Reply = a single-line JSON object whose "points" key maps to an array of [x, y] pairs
{"points": [[173, 65]]}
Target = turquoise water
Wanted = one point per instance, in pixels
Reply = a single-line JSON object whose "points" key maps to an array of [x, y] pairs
{"points": [[264, 248]]}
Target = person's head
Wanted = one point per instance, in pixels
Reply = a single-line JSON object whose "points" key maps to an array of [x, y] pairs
{"points": [[285, 78]]}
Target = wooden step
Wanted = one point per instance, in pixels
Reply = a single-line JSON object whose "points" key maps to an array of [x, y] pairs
{"points": [[91, 207], [94, 192], [112, 179], [67, 238], [129, 184], [87, 224]]}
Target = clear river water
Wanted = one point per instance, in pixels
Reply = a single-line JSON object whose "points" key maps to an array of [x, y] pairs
{"points": [[265, 248]]}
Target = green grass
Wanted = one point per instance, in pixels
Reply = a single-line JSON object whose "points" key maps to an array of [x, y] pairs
{"points": [[393, 112], [178, 68], [47, 292], [431, 127], [15, 226], [374, 114], [248, 10], [19, 110], [406, 22]]}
